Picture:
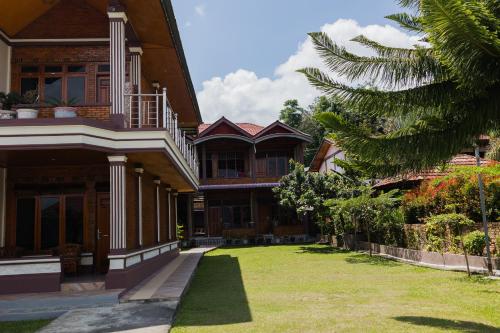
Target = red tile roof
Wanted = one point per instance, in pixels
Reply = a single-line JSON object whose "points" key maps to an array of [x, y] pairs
{"points": [[459, 160], [251, 129]]}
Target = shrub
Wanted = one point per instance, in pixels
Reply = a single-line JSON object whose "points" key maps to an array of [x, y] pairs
{"points": [[474, 242], [497, 242], [442, 231]]}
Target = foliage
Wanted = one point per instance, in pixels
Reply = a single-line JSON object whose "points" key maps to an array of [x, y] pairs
{"points": [[475, 242], [455, 192], [305, 192], [292, 114], [497, 242], [438, 96], [442, 231], [180, 231], [55, 102], [8, 100], [375, 214], [494, 150], [30, 97]]}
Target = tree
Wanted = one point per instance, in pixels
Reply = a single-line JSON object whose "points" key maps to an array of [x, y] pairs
{"points": [[363, 209], [292, 113], [306, 192], [438, 96]]}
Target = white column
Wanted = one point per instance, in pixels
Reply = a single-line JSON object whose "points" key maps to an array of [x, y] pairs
{"points": [[117, 21], [118, 217], [3, 195], [175, 215], [169, 202], [135, 66], [139, 172], [158, 183]]}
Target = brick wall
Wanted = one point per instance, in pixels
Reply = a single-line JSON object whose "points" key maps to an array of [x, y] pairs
{"points": [[99, 112]]}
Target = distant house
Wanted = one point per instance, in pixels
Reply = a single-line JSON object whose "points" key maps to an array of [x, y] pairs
{"points": [[240, 163], [414, 179], [325, 157]]}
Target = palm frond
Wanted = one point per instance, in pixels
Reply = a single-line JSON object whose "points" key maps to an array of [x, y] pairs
{"points": [[388, 71], [406, 21]]}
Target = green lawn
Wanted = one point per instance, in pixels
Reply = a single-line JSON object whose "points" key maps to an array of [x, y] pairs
{"points": [[318, 289], [22, 326]]}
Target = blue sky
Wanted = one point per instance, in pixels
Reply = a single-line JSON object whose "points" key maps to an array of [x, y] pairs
{"points": [[237, 47]]}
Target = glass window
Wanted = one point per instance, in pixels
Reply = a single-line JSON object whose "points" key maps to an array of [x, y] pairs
{"points": [[281, 166], [76, 89], [103, 68], [271, 166], [25, 223], [53, 69], [53, 89], [28, 84], [77, 69], [49, 216], [29, 69], [74, 220]]}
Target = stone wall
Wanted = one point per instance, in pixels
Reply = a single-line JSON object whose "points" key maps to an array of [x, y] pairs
{"points": [[415, 235]]}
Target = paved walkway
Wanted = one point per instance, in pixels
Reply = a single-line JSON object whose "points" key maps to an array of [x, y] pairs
{"points": [[149, 307]]}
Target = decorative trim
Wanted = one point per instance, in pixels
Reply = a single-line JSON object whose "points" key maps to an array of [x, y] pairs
{"points": [[136, 49], [118, 16], [122, 261], [30, 266], [117, 159]]}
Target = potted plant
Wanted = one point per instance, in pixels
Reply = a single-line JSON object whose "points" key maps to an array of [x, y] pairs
{"points": [[63, 108], [6, 103], [29, 98]]}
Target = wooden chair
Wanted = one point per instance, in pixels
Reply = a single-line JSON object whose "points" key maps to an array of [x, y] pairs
{"points": [[70, 258]]}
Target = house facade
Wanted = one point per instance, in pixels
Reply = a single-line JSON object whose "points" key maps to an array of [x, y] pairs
{"points": [[324, 159], [99, 187], [240, 163]]}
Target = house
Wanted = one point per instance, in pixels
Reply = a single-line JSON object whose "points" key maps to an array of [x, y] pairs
{"points": [[96, 192], [414, 179], [325, 157], [240, 163]]}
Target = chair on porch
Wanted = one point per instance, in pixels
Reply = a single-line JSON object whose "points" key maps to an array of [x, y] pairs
{"points": [[70, 258]]}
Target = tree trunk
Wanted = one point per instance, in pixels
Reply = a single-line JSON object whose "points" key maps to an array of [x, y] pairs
{"points": [[465, 253]]}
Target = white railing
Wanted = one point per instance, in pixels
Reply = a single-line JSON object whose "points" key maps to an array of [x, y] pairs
{"points": [[155, 111]]}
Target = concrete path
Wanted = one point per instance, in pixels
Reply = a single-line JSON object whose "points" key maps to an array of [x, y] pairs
{"points": [[170, 283], [149, 307], [52, 305]]}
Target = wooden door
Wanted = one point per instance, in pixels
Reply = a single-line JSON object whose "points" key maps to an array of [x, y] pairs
{"points": [[103, 90], [214, 221], [103, 239], [264, 224]]}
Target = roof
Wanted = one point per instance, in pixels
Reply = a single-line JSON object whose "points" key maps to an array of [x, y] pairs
{"points": [[459, 160], [249, 128], [249, 132], [320, 155]]}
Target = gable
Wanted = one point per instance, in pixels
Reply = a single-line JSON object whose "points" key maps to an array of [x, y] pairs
{"points": [[222, 129], [68, 19]]}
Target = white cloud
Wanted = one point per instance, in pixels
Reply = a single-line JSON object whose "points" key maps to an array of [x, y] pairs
{"points": [[200, 10], [188, 24], [243, 96]]}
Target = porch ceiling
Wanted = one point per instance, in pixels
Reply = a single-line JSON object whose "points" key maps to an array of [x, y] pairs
{"points": [[159, 165], [56, 157]]}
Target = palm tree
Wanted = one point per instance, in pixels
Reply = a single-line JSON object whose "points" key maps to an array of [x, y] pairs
{"points": [[439, 96]]}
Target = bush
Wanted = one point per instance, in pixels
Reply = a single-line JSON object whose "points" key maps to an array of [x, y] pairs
{"points": [[497, 242], [442, 231], [474, 242]]}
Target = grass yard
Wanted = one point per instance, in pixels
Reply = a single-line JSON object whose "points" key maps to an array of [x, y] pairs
{"points": [[318, 289], [22, 326]]}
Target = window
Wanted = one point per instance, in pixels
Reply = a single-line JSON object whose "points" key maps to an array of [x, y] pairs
{"points": [[59, 82], [49, 220], [44, 222], [235, 213], [272, 164], [231, 165], [74, 220], [25, 223]]}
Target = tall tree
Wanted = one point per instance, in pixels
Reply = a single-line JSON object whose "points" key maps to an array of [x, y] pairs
{"points": [[292, 114], [438, 96]]}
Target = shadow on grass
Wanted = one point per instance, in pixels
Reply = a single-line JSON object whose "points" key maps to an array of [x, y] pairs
{"points": [[447, 324], [216, 296], [321, 249], [374, 260]]}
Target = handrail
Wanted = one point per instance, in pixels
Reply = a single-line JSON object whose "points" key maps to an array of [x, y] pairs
{"points": [[146, 111]]}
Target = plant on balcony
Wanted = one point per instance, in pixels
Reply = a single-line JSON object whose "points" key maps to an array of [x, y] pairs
{"points": [[28, 99], [6, 103], [63, 108]]}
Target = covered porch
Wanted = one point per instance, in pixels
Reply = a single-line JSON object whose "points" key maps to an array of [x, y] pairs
{"points": [[85, 215]]}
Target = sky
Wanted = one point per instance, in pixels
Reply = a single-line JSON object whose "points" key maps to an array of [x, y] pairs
{"points": [[243, 54]]}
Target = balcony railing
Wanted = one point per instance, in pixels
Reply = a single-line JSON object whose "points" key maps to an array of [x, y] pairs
{"points": [[155, 111]]}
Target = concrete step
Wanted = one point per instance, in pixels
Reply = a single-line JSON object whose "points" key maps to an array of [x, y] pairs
{"points": [[82, 286]]}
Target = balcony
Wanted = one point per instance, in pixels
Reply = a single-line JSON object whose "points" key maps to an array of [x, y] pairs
{"points": [[153, 111]]}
